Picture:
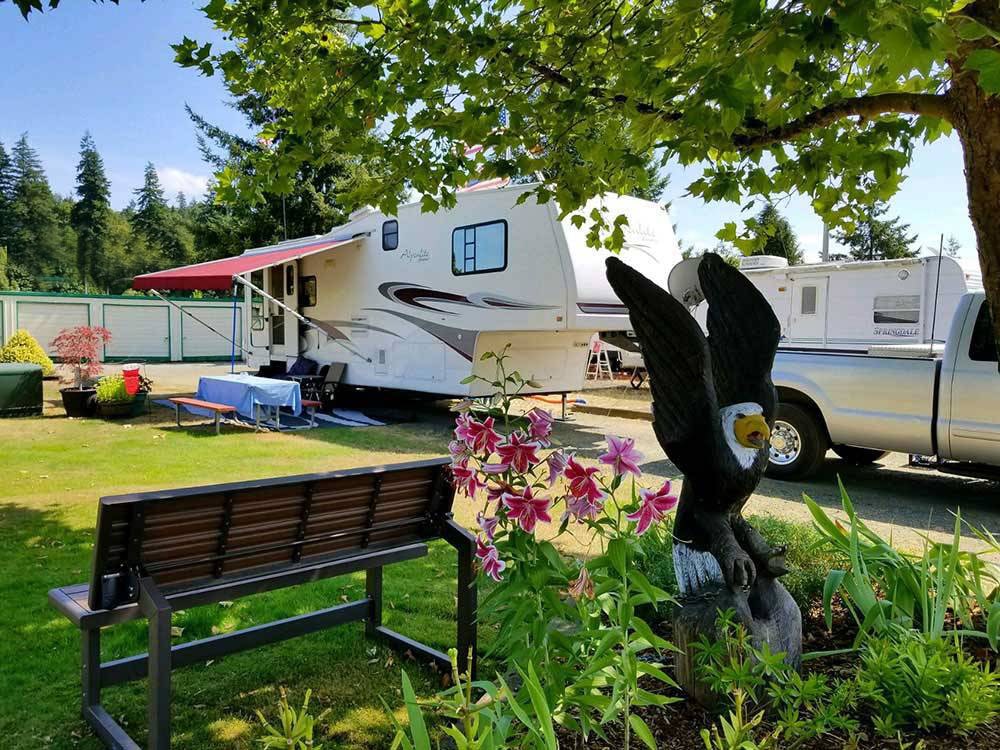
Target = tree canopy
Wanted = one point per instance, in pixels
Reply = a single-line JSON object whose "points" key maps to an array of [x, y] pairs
{"points": [[89, 215], [825, 98]]}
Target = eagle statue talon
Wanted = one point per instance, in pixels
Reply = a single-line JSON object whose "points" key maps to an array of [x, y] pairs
{"points": [[743, 573], [776, 564]]}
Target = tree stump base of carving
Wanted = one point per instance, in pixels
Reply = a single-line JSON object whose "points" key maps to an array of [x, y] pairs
{"points": [[768, 612]]}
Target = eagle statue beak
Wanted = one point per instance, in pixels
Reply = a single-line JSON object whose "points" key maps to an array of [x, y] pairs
{"points": [[752, 431]]}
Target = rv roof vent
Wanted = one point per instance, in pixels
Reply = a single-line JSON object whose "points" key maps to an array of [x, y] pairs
{"points": [[759, 262], [363, 211]]}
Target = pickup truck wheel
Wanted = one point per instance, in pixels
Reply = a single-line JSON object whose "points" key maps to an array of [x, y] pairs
{"points": [[798, 444], [859, 456]]}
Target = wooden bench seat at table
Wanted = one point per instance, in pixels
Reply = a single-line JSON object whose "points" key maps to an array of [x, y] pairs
{"points": [[219, 409], [159, 552]]}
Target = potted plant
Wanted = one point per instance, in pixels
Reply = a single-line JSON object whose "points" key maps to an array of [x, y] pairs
{"points": [[78, 350], [113, 399]]}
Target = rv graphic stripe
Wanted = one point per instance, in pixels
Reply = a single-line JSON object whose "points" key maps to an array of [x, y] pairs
{"points": [[420, 297]]}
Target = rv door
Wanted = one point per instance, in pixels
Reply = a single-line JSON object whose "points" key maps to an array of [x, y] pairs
{"points": [[259, 338], [809, 310]]}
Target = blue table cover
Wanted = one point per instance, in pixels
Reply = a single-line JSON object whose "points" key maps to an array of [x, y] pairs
{"points": [[245, 392]]}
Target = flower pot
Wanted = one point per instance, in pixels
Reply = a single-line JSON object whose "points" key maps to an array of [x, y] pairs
{"points": [[79, 402], [115, 409], [139, 404]]}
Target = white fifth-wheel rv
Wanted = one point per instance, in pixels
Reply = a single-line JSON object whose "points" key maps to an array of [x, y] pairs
{"points": [[861, 304], [413, 301]]}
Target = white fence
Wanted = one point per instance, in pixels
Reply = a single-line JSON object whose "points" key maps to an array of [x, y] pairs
{"points": [[142, 328]]}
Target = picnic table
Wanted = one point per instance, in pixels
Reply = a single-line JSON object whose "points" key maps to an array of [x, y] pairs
{"points": [[249, 394]]}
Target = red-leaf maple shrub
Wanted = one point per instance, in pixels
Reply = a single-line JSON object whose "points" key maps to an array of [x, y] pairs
{"points": [[78, 349]]}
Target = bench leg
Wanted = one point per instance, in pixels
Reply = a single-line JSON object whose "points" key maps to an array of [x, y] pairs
{"points": [[467, 610], [90, 668], [373, 588], [216, 423], [177, 413], [156, 608]]}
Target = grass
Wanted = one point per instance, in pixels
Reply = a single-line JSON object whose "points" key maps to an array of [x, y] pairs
{"points": [[54, 469]]}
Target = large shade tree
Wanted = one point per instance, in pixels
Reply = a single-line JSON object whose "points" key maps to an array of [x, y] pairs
{"points": [[826, 98]]}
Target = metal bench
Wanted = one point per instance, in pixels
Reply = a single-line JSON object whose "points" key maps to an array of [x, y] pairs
{"points": [[219, 409], [158, 552]]}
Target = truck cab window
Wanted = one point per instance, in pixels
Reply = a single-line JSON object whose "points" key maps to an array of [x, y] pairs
{"points": [[390, 235], [479, 248], [808, 300], [983, 347]]}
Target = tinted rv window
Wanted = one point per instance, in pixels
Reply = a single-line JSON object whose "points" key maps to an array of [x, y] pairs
{"points": [[808, 300], [983, 347], [390, 235], [479, 248], [307, 291], [898, 308]]}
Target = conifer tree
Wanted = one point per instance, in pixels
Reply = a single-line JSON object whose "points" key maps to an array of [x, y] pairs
{"points": [[89, 216]]}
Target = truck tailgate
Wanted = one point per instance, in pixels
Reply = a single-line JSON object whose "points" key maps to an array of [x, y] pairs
{"points": [[885, 403]]}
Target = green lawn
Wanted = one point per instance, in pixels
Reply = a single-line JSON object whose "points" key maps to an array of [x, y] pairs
{"points": [[54, 469]]}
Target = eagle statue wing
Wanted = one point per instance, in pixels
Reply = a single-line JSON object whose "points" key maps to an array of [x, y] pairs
{"points": [[743, 335], [676, 354]]}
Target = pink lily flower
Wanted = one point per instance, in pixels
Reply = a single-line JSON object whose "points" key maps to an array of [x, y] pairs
{"points": [[580, 508], [582, 484], [653, 507], [459, 452], [556, 462], [498, 468], [490, 560], [466, 479], [488, 524], [527, 509], [520, 454], [622, 456], [583, 586], [462, 423], [482, 437], [541, 425]]}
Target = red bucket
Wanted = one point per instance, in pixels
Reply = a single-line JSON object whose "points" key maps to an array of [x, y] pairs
{"points": [[131, 375]]}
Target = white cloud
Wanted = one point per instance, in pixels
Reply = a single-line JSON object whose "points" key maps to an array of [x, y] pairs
{"points": [[178, 181]]}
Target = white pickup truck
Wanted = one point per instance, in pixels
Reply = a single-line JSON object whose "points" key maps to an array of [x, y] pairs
{"points": [[944, 404]]}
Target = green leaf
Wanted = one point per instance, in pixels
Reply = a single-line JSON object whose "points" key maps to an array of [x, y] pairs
{"points": [[987, 62], [421, 739], [641, 730], [617, 553], [832, 585]]}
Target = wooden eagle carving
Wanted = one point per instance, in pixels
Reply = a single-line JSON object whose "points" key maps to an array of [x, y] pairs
{"points": [[713, 409]]}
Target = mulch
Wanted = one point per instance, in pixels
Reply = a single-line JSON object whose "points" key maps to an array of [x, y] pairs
{"points": [[679, 725]]}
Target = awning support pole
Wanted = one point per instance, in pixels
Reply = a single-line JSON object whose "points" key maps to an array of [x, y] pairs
{"points": [[232, 353], [300, 318], [199, 320]]}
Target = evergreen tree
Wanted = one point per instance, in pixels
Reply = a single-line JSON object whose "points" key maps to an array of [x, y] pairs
{"points": [[777, 236], [6, 196], [150, 205], [36, 246], [89, 216], [875, 238], [952, 246]]}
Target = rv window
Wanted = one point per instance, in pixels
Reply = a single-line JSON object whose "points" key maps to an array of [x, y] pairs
{"points": [[808, 300], [897, 308], [390, 235], [307, 291], [983, 347], [479, 248]]}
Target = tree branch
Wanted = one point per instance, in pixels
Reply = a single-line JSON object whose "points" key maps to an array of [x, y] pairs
{"points": [[869, 105]]}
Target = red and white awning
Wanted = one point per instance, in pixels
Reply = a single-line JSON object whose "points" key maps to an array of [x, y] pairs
{"points": [[217, 275]]}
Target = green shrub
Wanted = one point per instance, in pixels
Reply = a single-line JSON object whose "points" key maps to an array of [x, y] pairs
{"points": [[111, 388], [912, 679], [22, 347], [808, 560]]}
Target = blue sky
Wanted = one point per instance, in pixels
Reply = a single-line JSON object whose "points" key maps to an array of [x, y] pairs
{"points": [[110, 69]]}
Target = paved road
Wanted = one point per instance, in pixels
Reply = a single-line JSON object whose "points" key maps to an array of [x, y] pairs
{"points": [[892, 498]]}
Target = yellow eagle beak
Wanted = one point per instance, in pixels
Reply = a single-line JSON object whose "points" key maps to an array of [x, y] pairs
{"points": [[752, 431]]}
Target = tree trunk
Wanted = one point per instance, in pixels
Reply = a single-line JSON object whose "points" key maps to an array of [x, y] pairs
{"points": [[976, 117]]}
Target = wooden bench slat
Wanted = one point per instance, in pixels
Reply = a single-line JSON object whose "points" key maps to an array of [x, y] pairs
{"points": [[210, 405]]}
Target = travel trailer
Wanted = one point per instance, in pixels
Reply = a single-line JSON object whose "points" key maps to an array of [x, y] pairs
{"points": [[858, 305], [412, 302]]}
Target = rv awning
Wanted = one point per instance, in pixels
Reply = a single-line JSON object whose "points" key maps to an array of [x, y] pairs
{"points": [[217, 275]]}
